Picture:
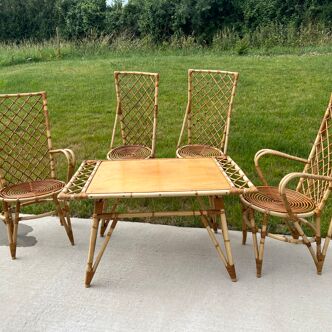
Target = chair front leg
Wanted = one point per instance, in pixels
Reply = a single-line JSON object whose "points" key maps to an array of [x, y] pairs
{"points": [[259, 261], [12, 226], [245, 220], [104, 222], [213, 219], [251, 214], [325, 247], [306, 242]]}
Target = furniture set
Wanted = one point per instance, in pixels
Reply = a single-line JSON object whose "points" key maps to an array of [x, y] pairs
{"points": [[202, 169]]}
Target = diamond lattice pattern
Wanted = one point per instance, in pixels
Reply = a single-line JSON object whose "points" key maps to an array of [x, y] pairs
{"points": [[210, 101], [23, 139], [320, 161], [137, 101]]}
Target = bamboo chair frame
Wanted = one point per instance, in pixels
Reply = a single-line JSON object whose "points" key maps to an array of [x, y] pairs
{"points": [[307, 201], [208, 113], [136, 111], [27, 163]]}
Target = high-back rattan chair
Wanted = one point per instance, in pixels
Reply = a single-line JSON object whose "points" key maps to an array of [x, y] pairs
{"points": [[27, 164], [136, 110], [208, 113], [294, 207]]}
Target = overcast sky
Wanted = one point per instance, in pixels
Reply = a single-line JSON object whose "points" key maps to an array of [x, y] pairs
{"points": [[110, 1]]}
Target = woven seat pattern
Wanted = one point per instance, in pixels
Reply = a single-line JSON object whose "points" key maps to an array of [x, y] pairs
{"points": [[130, 152], [32, 189], [268, 198], [198, 150]]}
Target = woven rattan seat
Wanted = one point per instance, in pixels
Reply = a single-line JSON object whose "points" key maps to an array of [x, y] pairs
{"points": [[130, 152], [299, 210], [198, 150], [268, 198], [32, 189], [28, 167]]}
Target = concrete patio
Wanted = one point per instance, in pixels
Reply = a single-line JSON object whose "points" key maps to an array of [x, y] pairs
{"points": [[157, 278]]}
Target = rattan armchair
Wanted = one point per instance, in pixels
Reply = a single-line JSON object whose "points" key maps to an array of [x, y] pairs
{"points": [[27, 163], [299, 209], [208, 113], [136, 110]]}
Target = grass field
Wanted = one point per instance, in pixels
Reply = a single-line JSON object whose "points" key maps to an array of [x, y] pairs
{"points": [[279, 104]]}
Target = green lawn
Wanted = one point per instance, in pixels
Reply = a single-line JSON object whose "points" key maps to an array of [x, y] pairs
{"points": [[279, 104]]}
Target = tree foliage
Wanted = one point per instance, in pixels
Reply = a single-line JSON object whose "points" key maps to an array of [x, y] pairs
{"points": [[158, 19]]}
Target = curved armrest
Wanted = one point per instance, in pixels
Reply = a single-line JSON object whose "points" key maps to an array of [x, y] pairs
{"points": [[70, 156], [264, 152], [289, 177]]}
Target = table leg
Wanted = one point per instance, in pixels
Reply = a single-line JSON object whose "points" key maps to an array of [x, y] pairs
{"points": [[98, 209], [219, 204], [92, 266], [226, 259]]}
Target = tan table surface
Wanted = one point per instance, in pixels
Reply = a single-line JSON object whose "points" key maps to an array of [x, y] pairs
{"points": [[158, 175]]}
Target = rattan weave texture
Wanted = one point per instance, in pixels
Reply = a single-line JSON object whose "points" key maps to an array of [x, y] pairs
{"points": [[269, 199], [130, 152], [209, 107], [319, 161], [136, 112], [32, 189], [23, 129], [198, 151]]}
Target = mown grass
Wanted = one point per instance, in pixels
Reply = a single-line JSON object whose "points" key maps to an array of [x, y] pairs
{"points": [[279, 104]]}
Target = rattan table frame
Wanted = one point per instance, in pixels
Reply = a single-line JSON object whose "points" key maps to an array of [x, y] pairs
{"points": [[78, 188]]}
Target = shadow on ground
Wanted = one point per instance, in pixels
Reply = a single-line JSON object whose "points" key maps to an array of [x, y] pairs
{"points": [[22, 239]]}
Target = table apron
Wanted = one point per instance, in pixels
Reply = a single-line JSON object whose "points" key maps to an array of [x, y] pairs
{"points": [[118, 216]]}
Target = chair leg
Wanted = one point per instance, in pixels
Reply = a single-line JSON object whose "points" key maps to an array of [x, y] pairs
{"points": [[11, 229], [244, 223], [104, 223], [251, 214], [259, 261], [321, 258], [66, 223], [214, 222], [318, 240], [306, 242]]}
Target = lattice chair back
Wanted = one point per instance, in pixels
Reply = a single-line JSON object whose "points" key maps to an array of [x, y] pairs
{"points": [[137, 108], [25, 139], [320, 162], [210, 100]]}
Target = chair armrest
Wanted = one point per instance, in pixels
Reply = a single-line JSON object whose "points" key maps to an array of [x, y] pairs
{"points": [[291, 176], [71, 160], [264, 152]]}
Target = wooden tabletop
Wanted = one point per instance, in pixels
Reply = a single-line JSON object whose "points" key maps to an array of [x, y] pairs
{"points": [[157, 175], [165, 177]]}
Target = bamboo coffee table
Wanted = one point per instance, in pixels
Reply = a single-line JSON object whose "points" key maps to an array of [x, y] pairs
{"points": [[125, 179]]}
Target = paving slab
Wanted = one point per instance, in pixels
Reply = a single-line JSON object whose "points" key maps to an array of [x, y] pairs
{"points": [[157, 278]]}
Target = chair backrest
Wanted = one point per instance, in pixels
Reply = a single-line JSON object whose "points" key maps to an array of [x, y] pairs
{"points": [[320, 162], [209, 107], [25, 139], [137, 108]]}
